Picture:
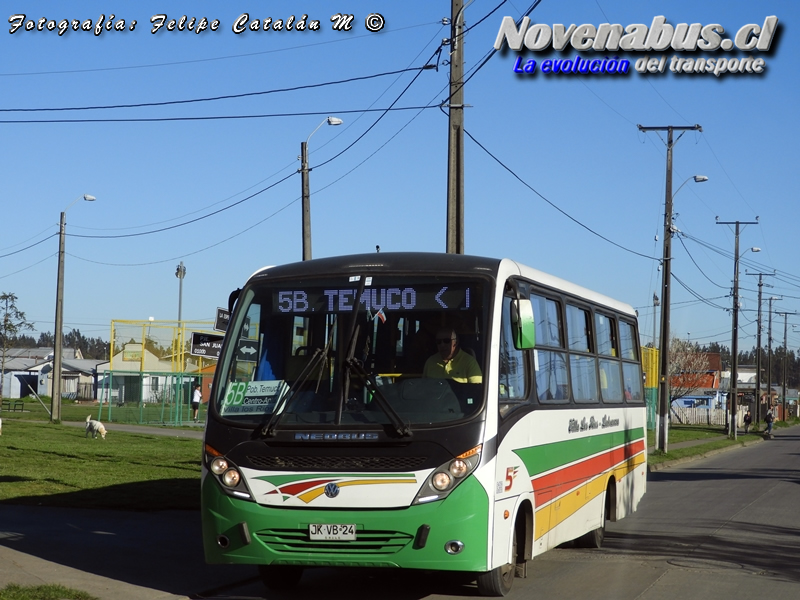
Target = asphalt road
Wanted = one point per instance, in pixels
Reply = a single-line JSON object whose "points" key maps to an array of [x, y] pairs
{"points": [[719, 528]]}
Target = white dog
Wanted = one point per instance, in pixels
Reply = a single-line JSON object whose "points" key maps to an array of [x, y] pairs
{"points": [[94, 427]]}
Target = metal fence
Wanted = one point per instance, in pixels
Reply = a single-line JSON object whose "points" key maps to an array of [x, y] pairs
{"points": [[149, 397]]}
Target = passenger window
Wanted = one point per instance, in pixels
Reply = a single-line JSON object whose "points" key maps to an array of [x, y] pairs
{"points": [[549, 330], [578, 329], [610, 382], [552, 386], [632, 379], [583, 371], [627, 341], [606, 335]]}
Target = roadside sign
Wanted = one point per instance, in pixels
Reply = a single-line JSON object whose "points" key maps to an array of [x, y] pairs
{"points": [[206, 344], [247, 350], [222, 319]]}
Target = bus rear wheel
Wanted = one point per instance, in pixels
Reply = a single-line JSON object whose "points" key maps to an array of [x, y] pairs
{"points": [[498, 582], [280, 577]]}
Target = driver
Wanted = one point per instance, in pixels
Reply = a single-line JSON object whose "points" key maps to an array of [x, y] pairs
{"points": [[450, 362]]}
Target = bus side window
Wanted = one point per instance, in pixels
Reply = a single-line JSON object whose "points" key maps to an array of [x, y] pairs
{"points": [[606, 335], [513, 391]]}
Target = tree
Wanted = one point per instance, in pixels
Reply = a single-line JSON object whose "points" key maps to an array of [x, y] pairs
{"points": [[13, 323], [688, 368]]}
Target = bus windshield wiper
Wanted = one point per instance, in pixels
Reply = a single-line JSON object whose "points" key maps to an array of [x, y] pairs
{"points": [[282, 404], [351, 364], [402, 428]]}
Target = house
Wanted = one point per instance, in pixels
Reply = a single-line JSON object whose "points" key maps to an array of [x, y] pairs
{"points": [[29, 370], [700, 389], [138, 376]]}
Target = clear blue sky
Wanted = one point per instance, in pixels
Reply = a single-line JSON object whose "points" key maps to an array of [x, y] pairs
{"points": [[574, 139]]}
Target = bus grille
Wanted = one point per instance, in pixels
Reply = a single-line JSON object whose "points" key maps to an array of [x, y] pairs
{"points": [[286, 541], [338, 463]]}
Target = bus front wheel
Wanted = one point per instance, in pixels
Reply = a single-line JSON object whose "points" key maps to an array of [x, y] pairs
{"points": [[280, 577], [498, 582]]}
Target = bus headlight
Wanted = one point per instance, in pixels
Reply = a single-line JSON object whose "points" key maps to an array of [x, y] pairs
{"points": [[441, 481], [227, 475], [231, 478], [219, 465], [458, 468], [446, 478]]}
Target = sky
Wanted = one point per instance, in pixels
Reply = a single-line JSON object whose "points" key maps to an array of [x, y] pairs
{"points": [[190, 141]]}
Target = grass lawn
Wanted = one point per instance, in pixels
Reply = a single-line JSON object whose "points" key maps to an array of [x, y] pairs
{"points": [[686, 433], [42, 592], [53, 465]]}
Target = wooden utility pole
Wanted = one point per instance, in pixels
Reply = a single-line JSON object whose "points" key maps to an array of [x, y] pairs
{"points": [[663, 397], [758, 346], [455, 142], [734, 389]]}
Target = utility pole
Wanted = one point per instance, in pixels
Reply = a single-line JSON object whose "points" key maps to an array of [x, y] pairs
{"points": [[785, 357], [758, 346], [734, 391], [306, 202], [663, 397], [455, 130], [769, 353]]}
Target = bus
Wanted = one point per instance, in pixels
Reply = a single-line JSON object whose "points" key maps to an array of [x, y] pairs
{"points": [[339, 435]]}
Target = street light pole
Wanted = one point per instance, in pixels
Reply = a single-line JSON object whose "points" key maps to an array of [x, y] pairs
{"points": [[655, 334], [663, 399], [180, 273], [55, 400], [306, 193]]}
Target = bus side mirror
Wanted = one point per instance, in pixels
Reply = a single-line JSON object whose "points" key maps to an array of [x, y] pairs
{"points": [[523, 323]]}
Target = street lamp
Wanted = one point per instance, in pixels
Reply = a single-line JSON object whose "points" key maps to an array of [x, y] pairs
{"points": [[180, 273], [306, 194], [55, 401], [664, 399]]}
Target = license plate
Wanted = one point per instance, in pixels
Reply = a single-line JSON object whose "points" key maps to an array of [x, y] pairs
{"points": [[336, 532]]}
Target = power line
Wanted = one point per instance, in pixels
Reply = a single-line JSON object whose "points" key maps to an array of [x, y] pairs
{"points": [[562, 211], [210, 118], [28, 247], [215, 98], [216, 212]]}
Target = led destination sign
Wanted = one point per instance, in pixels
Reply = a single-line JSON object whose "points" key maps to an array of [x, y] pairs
{"points": [[375, 299]]}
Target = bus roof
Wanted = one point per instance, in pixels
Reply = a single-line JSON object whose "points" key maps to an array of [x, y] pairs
{"points": [[433, 262]]}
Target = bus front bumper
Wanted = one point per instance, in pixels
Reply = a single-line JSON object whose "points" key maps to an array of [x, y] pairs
{"points": [[449, 535]]}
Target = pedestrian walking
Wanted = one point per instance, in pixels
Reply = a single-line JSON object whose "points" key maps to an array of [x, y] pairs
{"points": [[196, 397], [748, 420], [768, 420]]}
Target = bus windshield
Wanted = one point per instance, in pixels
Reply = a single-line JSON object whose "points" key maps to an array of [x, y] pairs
{"points": [[355, 350]]}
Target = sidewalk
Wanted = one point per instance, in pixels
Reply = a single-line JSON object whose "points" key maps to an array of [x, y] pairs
{"points": [[692, 443]]}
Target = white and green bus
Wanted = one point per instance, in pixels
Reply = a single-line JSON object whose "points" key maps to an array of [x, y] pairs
{"points": [[330, 443]]}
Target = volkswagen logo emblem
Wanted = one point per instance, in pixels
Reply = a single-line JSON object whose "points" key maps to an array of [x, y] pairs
{"points": [[331, 490]]}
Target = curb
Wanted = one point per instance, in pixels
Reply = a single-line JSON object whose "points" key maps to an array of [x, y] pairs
{"points": [[687, 459]]}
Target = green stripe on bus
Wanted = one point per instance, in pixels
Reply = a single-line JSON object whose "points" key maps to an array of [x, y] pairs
{"points": [[539, 459]]}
